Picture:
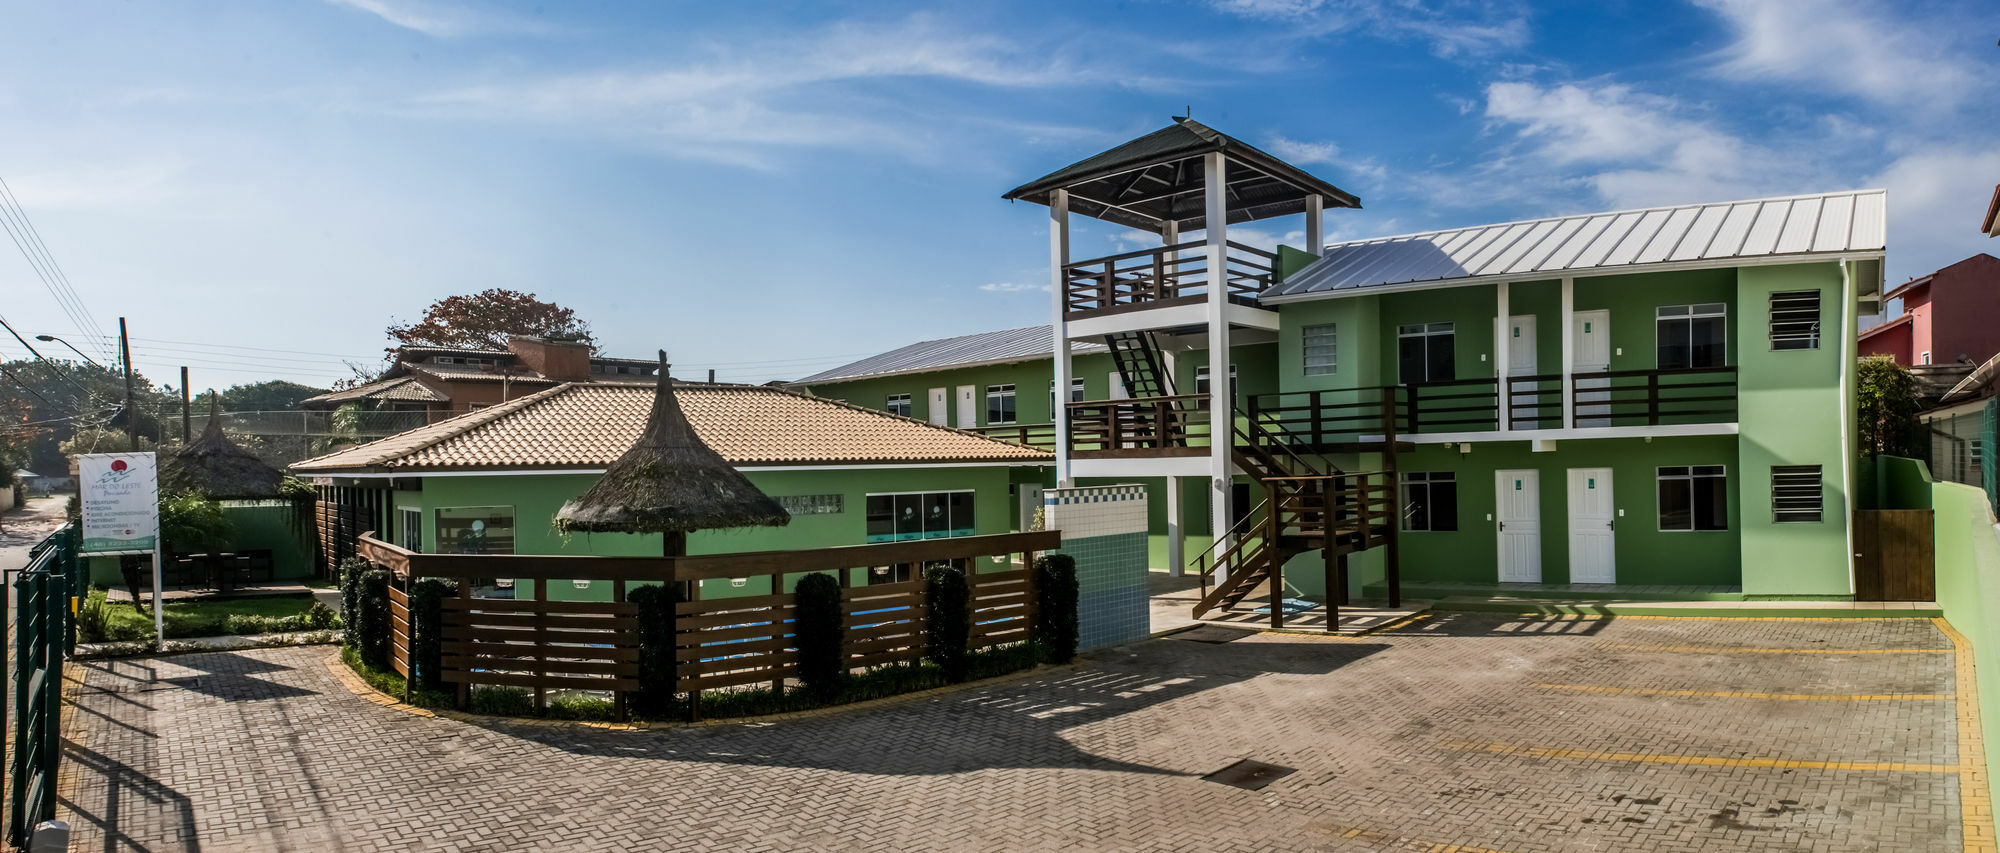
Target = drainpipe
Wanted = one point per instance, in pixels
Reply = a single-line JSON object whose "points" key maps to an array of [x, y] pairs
{"points": [[1847, 413]]}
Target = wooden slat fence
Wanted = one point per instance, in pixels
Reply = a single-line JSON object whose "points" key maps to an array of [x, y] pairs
{"points": [[720, 643]]}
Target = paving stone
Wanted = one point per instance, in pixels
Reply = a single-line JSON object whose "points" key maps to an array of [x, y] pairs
{"points": [[1466, 729]]}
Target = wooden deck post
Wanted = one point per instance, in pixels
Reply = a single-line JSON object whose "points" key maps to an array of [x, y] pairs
{"points": [[541, 645], [464, 687], [1277, 572], [778, 631], [618, 696]]}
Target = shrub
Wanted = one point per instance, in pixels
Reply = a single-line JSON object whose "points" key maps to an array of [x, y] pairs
{"points": [[1055, 606], [371, 617], [426, 631], [949, 619], [816, 625], [656, 647], [351, 570], [321, 618], [92, 618]]}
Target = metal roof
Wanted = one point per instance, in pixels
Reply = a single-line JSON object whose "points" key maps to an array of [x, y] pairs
{"points": [[1158, 178], [1695, 235], [1007, 345]]}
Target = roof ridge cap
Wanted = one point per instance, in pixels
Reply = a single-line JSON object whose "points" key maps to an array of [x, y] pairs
{"points": [[1390, 238]]}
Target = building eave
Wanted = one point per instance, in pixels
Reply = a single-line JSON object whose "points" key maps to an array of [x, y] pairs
{"points": [[1592, 272]]}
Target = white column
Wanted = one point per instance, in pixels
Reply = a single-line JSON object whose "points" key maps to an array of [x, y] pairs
{"points": [[1502, 385], [1176, 532], [1059, 256], [1315, 225], [1222, 406], [1569, 353]]}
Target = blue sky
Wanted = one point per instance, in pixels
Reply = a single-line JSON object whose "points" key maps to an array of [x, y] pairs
{"points": [[770, 189]]}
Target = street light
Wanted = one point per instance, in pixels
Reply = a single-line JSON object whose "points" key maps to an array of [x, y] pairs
{"points": [[72, 347]]}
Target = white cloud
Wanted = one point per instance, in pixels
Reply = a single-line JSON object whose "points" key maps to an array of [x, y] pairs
{"points": [[738, 104], [1937, 196], [1854, 47], [1647, 149], [1012, 287], [439, 21], [1450, 27], [1301, 153]]}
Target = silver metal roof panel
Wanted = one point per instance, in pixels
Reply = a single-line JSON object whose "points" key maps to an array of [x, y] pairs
{"points": [[1007, 345]]}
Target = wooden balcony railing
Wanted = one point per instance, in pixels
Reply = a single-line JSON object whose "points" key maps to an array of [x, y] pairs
{"points": [[1163, 275], [1621, 398], [1148, 426], [1042, 436]]}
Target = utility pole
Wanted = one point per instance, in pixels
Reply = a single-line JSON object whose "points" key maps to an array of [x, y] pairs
{"points": [[185, 417], [131, 414]]}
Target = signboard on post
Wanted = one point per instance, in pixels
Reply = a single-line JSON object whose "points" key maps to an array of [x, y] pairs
{"points": [[120, 497], [119, 494]]}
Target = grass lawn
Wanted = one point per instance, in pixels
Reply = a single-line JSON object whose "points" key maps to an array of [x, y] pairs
{"points": [[211, 618]]}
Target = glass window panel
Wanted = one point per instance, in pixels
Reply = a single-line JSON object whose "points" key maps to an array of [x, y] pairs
{"points": [[1444, 506], [881, 518], [1676, 504], [1410, 359], [909, 517], [937, 517], [959, 506], [475, 530], [1711, 503], [1441, 352], [1707, 336], [1416, 506], [1673, 340]]}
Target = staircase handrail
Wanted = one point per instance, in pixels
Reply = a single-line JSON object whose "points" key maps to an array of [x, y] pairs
{"points": [[1236, 536]]}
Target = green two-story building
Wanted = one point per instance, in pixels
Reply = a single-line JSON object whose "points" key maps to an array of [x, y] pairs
{"points": [[1634, 398]]}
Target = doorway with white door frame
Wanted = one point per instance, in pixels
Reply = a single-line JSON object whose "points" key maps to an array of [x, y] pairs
{"points": [[1591, 353], [1518, 524], [939, 413], [1593, 526], [968, 407]]}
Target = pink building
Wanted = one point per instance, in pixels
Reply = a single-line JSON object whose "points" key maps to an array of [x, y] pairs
{"points": [[1966, 329]]}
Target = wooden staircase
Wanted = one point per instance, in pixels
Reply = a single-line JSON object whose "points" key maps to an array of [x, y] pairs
{"points": [[1139, 364], [1304, 509]]}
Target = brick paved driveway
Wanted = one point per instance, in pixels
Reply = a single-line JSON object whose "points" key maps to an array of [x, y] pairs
{"points": [[1477, 730]]}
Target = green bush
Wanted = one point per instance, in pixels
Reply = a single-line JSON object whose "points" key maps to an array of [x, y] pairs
{"points": [[817, 630], [1055, 606], [93, 618], [321, 618], [503, 701], [949, 619], [351, 570], [371, 617], [426, 630], [387, 681], [656, 647]]}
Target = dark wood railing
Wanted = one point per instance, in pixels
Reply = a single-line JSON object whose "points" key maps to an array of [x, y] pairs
{"points": [[1041, 436], [1535, 402], [724, 642], [1139, 427], [1695, 395], [1162, 275]]}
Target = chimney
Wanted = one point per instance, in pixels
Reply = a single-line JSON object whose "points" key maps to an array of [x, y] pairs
{"points": [[562, 361]]}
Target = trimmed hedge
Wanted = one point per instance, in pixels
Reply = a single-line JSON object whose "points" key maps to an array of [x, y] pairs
{"points": [[350, 601], [369, 632], [1055, 606], [817, 628], [950, 619], [656, 647], [427, 597]]}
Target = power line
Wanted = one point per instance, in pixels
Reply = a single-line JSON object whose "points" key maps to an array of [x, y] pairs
{"points": [[52, 274], [41, 358]]}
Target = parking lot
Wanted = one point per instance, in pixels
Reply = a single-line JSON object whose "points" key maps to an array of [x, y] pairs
{"points": [[1485, 731]]}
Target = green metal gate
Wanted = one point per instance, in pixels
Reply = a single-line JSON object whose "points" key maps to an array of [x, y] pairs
{"points": [[43, 635]]}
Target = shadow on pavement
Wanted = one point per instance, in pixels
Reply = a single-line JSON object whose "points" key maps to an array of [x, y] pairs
{"points": [[129, 789]]}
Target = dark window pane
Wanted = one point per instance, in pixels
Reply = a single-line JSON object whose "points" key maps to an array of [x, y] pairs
{"points": [[1711, 503], [1673, 336], [937, 519], [881, 518], [1708, 335], [1444, 506], [1410, 359], [909, 517], [960, 504], [1676, 505], [1416, 507], [1442, 349]]}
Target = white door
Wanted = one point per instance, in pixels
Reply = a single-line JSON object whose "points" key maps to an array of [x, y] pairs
{"points": [[940, 411], [968, 408], [1591, 353], [1593, 519], [1520, 525], [1117, 385], [1527, 414]]}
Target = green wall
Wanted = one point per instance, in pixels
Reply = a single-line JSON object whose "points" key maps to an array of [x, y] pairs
{"points": [[1789, 413], [537, 498], [1968, 589], [259, 524]]}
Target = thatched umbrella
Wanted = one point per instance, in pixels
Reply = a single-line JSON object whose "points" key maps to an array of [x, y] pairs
{"points": [[214, 467], [670, 482]]}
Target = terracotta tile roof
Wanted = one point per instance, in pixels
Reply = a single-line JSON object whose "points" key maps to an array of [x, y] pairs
{"points": [[589, 425], [402, 388]]}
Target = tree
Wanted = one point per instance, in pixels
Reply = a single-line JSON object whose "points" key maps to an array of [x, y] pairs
{"points": [[1885, 408], [275, 395], [44, 404], [485, 320]]}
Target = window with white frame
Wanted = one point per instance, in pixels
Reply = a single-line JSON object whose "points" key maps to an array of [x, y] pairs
{"points": [[1430, 501], [1692, 335], [1425, 352], [1795, 320], [999, 404], [1318, 349], [1075, 394], [1201, 380], [1694, 497], [1924, 357], [898, 404], [1796, 494]]}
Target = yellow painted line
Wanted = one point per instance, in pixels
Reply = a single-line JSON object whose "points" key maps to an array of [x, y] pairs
{"points": [[1699, 760], [1735, 694], [1975, 799], [1726, 650]]}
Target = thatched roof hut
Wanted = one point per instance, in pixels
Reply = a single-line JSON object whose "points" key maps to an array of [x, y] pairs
{"points": [[214, 467], [670, 482]]}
